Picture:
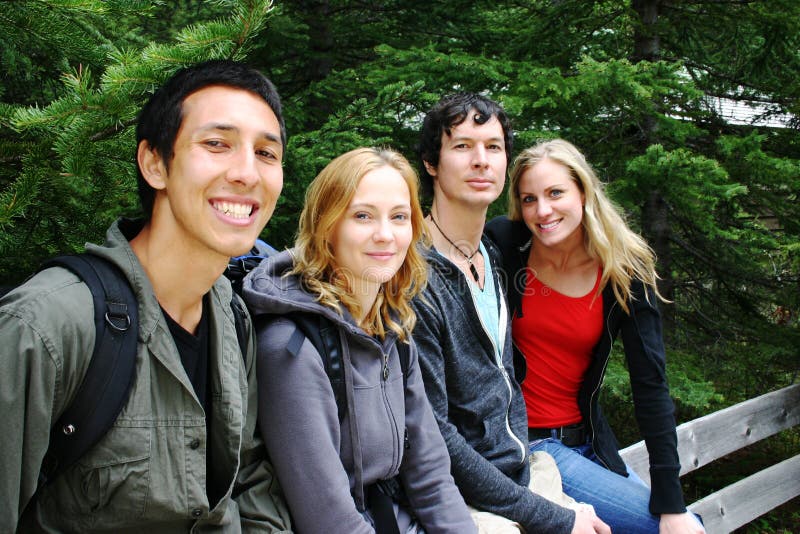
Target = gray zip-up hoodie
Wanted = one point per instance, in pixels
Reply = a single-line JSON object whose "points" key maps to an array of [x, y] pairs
{"points": [[323, 465], [477, 403]]}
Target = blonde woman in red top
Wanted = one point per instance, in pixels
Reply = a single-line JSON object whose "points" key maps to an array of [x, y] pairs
{"points": [[577, 277]]}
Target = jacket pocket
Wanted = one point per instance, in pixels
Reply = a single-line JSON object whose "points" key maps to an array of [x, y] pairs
{"points": [[115, 477]]}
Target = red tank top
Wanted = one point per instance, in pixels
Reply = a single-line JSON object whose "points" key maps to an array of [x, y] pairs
{"points": [[556, 333]]}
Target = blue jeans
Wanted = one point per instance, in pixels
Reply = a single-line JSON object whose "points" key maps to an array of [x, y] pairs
{"points": [[623, 503]]}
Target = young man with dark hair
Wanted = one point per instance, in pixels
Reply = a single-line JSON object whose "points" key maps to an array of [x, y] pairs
{"points": [[463, 332], [183, 454]]}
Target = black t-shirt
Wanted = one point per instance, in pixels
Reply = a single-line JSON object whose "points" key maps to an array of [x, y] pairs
{"points": [[193, 350]]}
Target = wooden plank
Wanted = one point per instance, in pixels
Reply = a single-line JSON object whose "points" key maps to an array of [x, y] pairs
{"points": [[635, 457], [712, 436], [743, 501]]}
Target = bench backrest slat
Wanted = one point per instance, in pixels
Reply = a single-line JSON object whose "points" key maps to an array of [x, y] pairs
{"points": [[747, 499], [715, 435]]}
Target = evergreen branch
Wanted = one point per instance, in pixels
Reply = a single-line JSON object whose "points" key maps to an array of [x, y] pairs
{"points": [[718, 267], [735, 81], [111, 131]]}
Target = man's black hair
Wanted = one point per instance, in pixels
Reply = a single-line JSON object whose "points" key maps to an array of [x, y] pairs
{"points": [[161, 118], [449, 112]]}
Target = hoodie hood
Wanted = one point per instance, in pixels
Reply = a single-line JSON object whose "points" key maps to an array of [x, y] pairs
{"points": [[269, 289]]}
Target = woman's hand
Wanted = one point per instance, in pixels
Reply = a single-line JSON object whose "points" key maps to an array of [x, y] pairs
{"points": [[587, 522], [684, 523]]}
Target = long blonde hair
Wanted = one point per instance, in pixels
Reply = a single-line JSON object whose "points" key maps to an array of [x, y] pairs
{"points": [[624, 254], [327, 199]]}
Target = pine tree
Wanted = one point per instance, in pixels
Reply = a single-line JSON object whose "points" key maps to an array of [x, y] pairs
{"points": [[70, 157]]}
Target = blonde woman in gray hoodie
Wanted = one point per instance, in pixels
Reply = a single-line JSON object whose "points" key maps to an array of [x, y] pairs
{"points": [[356, 263]]}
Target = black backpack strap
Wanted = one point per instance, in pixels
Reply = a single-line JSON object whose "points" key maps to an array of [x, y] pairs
{"points": [[404, 350], [323, 335], [106, 386], [382, 507]]}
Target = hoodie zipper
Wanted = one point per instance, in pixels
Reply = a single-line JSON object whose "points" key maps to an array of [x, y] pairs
{"points": [[503, 317], [396, 452]]}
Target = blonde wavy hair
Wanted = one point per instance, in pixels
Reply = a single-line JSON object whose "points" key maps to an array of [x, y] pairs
{"points": [[327, 199], [624, 254]]}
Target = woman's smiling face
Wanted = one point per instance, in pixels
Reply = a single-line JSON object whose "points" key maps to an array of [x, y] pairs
{"points": [[552, 203], [371, 240]]}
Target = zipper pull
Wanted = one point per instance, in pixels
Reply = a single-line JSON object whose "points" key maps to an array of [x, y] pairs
{"points": [[385, 367]]}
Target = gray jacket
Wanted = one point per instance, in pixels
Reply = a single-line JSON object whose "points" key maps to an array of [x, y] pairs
{"points": [[148, 473], [477, 403], [323, 465]]}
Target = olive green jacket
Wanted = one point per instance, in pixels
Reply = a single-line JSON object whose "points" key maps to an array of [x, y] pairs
{"points": [[148, 473]]}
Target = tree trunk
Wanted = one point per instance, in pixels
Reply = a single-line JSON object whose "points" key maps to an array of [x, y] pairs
{"points": [[655, 216], [317, 15], [646, 42]]}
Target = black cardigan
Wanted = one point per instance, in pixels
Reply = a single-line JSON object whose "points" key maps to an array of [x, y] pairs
{"points": [[644, 352]]}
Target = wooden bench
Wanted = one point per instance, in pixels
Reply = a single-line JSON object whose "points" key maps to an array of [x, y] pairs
{"points": [[713, 436]]}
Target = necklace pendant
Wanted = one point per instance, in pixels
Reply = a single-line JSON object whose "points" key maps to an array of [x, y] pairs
{"points": [[474, 272]]}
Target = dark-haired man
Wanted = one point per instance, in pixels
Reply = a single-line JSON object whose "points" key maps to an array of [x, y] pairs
{"points": [[183, 454], [463, 334]]}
